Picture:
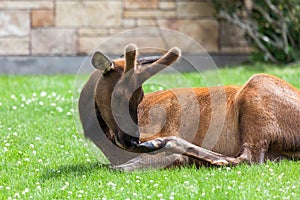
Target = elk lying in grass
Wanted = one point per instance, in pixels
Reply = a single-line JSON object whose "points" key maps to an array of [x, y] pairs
{"points": [[261, 119]]}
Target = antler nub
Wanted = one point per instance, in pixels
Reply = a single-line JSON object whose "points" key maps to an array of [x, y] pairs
{"points": [[176, 51], [130, 57], [171, 56]]}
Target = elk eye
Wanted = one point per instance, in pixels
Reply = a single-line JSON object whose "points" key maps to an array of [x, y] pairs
{"points": [[117, 95]]}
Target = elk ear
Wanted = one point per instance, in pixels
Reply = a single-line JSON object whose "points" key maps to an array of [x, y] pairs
{"points": [[101, 61]]}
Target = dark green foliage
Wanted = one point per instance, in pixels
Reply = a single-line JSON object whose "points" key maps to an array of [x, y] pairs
{"points": [[272, 26]]}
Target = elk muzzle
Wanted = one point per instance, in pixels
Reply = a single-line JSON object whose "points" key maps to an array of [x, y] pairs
{"points": [[127, 141]]}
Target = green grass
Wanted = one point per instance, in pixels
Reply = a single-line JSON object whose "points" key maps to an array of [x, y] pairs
{"points": [[44, 157]]}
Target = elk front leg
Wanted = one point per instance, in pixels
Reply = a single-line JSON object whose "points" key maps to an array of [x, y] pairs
{"points": [[175, 145], [150, 161]]}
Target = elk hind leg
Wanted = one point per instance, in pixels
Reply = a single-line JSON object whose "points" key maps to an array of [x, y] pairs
{"points": [[254, 152]]}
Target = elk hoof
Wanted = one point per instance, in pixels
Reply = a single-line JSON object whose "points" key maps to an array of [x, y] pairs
{"points": [[150, 146], [220, 162]]}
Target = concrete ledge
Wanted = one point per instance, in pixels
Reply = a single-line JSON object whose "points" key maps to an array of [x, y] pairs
{"points": [[40, 64], [34, 65]]}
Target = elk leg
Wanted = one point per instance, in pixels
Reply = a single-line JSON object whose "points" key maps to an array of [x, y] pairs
{"points": [[254, 152], [176, 145], [148, 161]]}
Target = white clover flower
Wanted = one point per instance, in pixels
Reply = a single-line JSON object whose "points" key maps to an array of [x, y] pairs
{"points": [[111, 184], [186, 182], [43, 94], [25, 191], [59, 109], [37, 138], [31, 146], [13, 97]]}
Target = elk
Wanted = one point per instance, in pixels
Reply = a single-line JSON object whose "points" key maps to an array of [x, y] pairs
{"points": [[256, 122]]}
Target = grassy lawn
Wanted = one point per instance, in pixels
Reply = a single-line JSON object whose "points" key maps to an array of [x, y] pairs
{"points": [[44, 157]]}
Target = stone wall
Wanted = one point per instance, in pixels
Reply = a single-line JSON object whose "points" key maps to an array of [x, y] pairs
{"points": [[75, 27]]}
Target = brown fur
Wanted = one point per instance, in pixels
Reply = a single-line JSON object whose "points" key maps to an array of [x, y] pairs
{"points": [[265, 113], [262, 121]]}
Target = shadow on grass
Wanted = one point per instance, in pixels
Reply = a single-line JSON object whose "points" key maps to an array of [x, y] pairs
{"points": [[73, 170]]}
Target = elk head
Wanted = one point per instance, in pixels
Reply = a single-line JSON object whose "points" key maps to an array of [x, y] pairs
{"points": [[119, 91]]}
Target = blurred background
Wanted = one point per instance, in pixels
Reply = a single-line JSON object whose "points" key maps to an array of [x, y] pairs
{"points": [[54, 36]]}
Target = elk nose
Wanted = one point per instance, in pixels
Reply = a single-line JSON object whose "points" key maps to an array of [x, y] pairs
{"points": [[134, 141]]}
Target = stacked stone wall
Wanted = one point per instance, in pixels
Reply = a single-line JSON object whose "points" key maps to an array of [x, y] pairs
{"points": [[75, 27]]}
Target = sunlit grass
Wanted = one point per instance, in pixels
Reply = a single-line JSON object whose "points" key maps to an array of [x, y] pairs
{"points": [[44, 157]]}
